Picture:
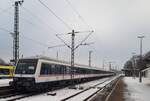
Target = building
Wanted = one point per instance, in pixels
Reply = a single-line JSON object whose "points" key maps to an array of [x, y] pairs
{"points": [[133, 66], [146, 72]]}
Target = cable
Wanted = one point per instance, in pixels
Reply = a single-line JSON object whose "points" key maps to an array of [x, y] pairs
{"points": [[20, 17], [27, 21], [28, 11], [5, 10], [82, 19], [3, 29], [52, 12], [84, 40], [11, 33], [38, 42]]}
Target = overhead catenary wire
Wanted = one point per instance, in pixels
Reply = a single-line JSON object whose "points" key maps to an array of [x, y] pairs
{"points": [[81, 18], [52, 12], [63, 41], [5, 10], [25, 20], [11, 33], [39, 20], [84, 40], [29, 22], [5, 30], [61, 45]]}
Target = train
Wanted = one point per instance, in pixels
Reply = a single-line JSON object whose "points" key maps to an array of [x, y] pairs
{"points": [[43, 72], [6, 71]]}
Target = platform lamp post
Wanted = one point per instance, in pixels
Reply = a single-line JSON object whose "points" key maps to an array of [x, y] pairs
{"points": [[133, 64], [141, 63]]}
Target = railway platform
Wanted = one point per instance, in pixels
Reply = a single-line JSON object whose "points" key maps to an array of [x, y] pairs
{"points": [[129, 89]]}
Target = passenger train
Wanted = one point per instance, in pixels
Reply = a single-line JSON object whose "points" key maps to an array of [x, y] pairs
{"points": [[42, 72], [6, 71]]}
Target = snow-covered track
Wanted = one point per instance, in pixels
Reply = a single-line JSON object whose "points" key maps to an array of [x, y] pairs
{"points": [[17, 97], [100, 89], [88, 93]]}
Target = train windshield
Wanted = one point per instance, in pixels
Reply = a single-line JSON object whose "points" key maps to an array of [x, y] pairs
{"points": [[26, 66], [4, 71]]}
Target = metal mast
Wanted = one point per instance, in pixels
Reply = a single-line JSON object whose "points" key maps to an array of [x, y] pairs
{"points": [[16, 32], [141, 62], [73, 47], [72, 52]]}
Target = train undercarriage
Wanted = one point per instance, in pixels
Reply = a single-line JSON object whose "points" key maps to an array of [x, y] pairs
{"points": [[29, 84]]}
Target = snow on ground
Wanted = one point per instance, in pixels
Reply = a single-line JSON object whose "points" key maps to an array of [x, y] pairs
{"points": [[4, 82], [63, 93], [135, 91]]}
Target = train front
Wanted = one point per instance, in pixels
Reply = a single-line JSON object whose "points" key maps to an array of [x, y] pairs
{"points": [[24, 75]]}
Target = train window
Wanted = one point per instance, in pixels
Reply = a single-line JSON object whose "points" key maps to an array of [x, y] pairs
{"points": [[31, 67], [64, 69], [46, 69], [4, 71], [67, 70], [58, 69], [26, 67], [53, 69], [76, 70]]}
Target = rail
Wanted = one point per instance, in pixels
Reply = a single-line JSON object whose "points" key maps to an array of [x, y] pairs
{"points": [[100, 86]]}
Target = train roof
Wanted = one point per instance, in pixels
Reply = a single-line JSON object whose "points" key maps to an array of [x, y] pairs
{"points": [[64, 62]]}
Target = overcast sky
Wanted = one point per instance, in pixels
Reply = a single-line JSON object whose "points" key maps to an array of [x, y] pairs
{"points": [[116, 25]]}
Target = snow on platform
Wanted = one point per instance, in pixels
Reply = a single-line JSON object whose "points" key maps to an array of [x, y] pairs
{"points": [[135, 91], [4, 82]]}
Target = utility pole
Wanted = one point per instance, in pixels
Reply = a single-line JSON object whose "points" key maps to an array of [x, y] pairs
{"points": [[90, 52], [73, 48], [72, 52], [141, 63], [133, 65], [16, 32]]}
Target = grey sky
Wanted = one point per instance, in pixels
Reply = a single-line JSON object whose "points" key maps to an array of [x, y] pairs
{"points": [[116, 24]]}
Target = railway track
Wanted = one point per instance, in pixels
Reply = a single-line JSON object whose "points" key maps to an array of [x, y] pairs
{"points": [[12, 95], [90, 92], [6, 91]]}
